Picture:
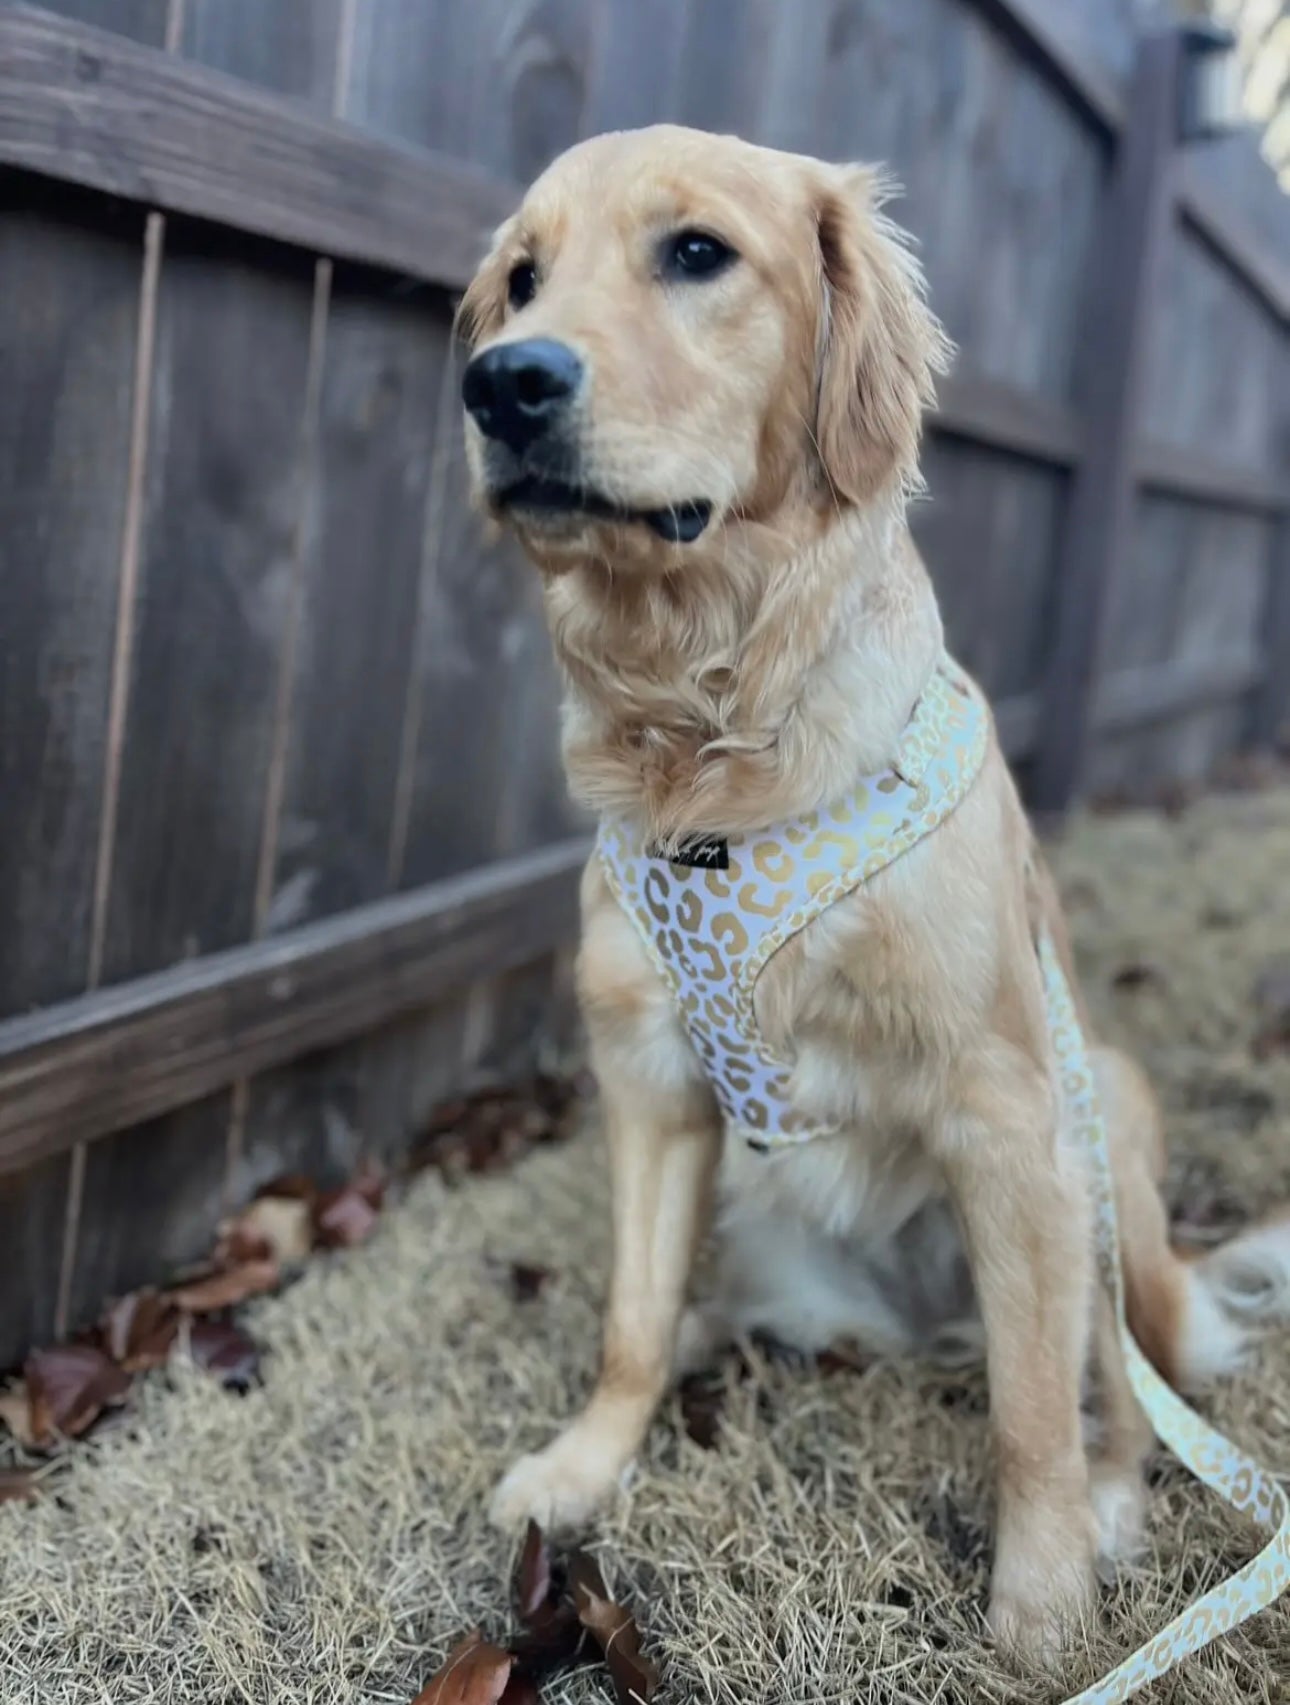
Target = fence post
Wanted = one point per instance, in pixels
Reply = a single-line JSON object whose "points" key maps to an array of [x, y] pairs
{"points": [[1121, 289]]}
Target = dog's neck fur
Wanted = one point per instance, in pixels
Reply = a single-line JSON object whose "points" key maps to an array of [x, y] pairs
{"points": [[740, 692]]}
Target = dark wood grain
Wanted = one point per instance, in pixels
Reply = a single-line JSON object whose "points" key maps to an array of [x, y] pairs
{"points": [[223, 496], [68, 323], [382, 373], [68, 326], [32, 1202], [152, 1195], [380, 395], [125, 1054], [87, 106], [1102, 499]]}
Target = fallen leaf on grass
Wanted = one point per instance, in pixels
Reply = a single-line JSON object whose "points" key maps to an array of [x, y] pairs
{"points": [[222, 1349], [614, 1630], [17, 1486], [491, 1129], [271, 1228], [521, 1689], [226, 1287], [139, 1330], [345, 1218], [62, 1392], [554, 1635], [533, 1578], [473, 1673]]}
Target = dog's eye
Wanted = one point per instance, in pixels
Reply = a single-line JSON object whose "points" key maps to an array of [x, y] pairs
{"points": [[521, 286], [696, 254]]}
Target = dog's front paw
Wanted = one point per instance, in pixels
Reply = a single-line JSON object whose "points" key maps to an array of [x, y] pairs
{"points": [[1037, 1621], [561, 1486]]}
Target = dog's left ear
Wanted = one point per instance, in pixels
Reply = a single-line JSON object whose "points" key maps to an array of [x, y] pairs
{"points": [[881, 346], [482, 308]]}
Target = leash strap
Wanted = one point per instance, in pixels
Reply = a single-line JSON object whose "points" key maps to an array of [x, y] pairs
{"points": [[1213, 1459]]}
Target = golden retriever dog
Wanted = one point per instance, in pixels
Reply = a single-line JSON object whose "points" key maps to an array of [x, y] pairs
{"points": [[697, 379]]}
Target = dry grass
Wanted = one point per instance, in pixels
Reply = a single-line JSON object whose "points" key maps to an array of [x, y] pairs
{"points": [[323, 1539]]}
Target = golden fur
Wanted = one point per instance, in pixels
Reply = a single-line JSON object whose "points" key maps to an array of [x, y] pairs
{"points": [[754, 673]]}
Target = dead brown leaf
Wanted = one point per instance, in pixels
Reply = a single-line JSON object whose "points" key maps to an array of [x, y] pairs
{"points": [[222, 1349], [271, 1228], [533, 1578], [614, 1629], [69, 1387], [345, 1218], [15, 1412], [139, 1330], [521, 1689], [473, 1673], [491, 1129], [226, 1287], [553, 1635]]}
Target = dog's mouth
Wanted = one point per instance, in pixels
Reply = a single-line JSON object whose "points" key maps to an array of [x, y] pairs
{"points": [[534, 494]]}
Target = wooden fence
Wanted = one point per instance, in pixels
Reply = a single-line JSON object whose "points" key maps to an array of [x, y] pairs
{"points": [[286, 854]]}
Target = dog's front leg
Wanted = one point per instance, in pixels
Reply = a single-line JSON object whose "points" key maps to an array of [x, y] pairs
{"points": [[1025, 1216], [664, 1139]]}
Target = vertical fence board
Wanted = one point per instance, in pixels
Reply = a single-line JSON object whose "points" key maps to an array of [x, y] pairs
{"points": [[222, 481], [381, 383], [151, 1199], [635, 78], [285, 45], [223, 494], [989, 533], [68, 322], [32, 1209]]}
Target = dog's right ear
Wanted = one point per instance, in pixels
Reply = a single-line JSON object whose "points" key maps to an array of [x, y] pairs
{"points": [[483, 307]]}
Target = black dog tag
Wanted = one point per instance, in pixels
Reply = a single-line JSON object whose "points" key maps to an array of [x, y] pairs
{"points": [[705, 852]]}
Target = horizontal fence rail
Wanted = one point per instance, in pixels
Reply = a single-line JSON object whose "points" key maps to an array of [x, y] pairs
{"points": [[118, 1056], [85, 106]]}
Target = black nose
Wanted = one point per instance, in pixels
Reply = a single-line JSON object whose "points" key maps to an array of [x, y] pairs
{"points": [[517, 391]]}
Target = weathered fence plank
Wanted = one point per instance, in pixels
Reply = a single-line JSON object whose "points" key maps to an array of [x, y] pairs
{"points": [[124, 1054], [91, 108]]}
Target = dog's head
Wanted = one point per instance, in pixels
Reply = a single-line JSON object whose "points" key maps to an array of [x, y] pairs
{"points": [[678, 333]]}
